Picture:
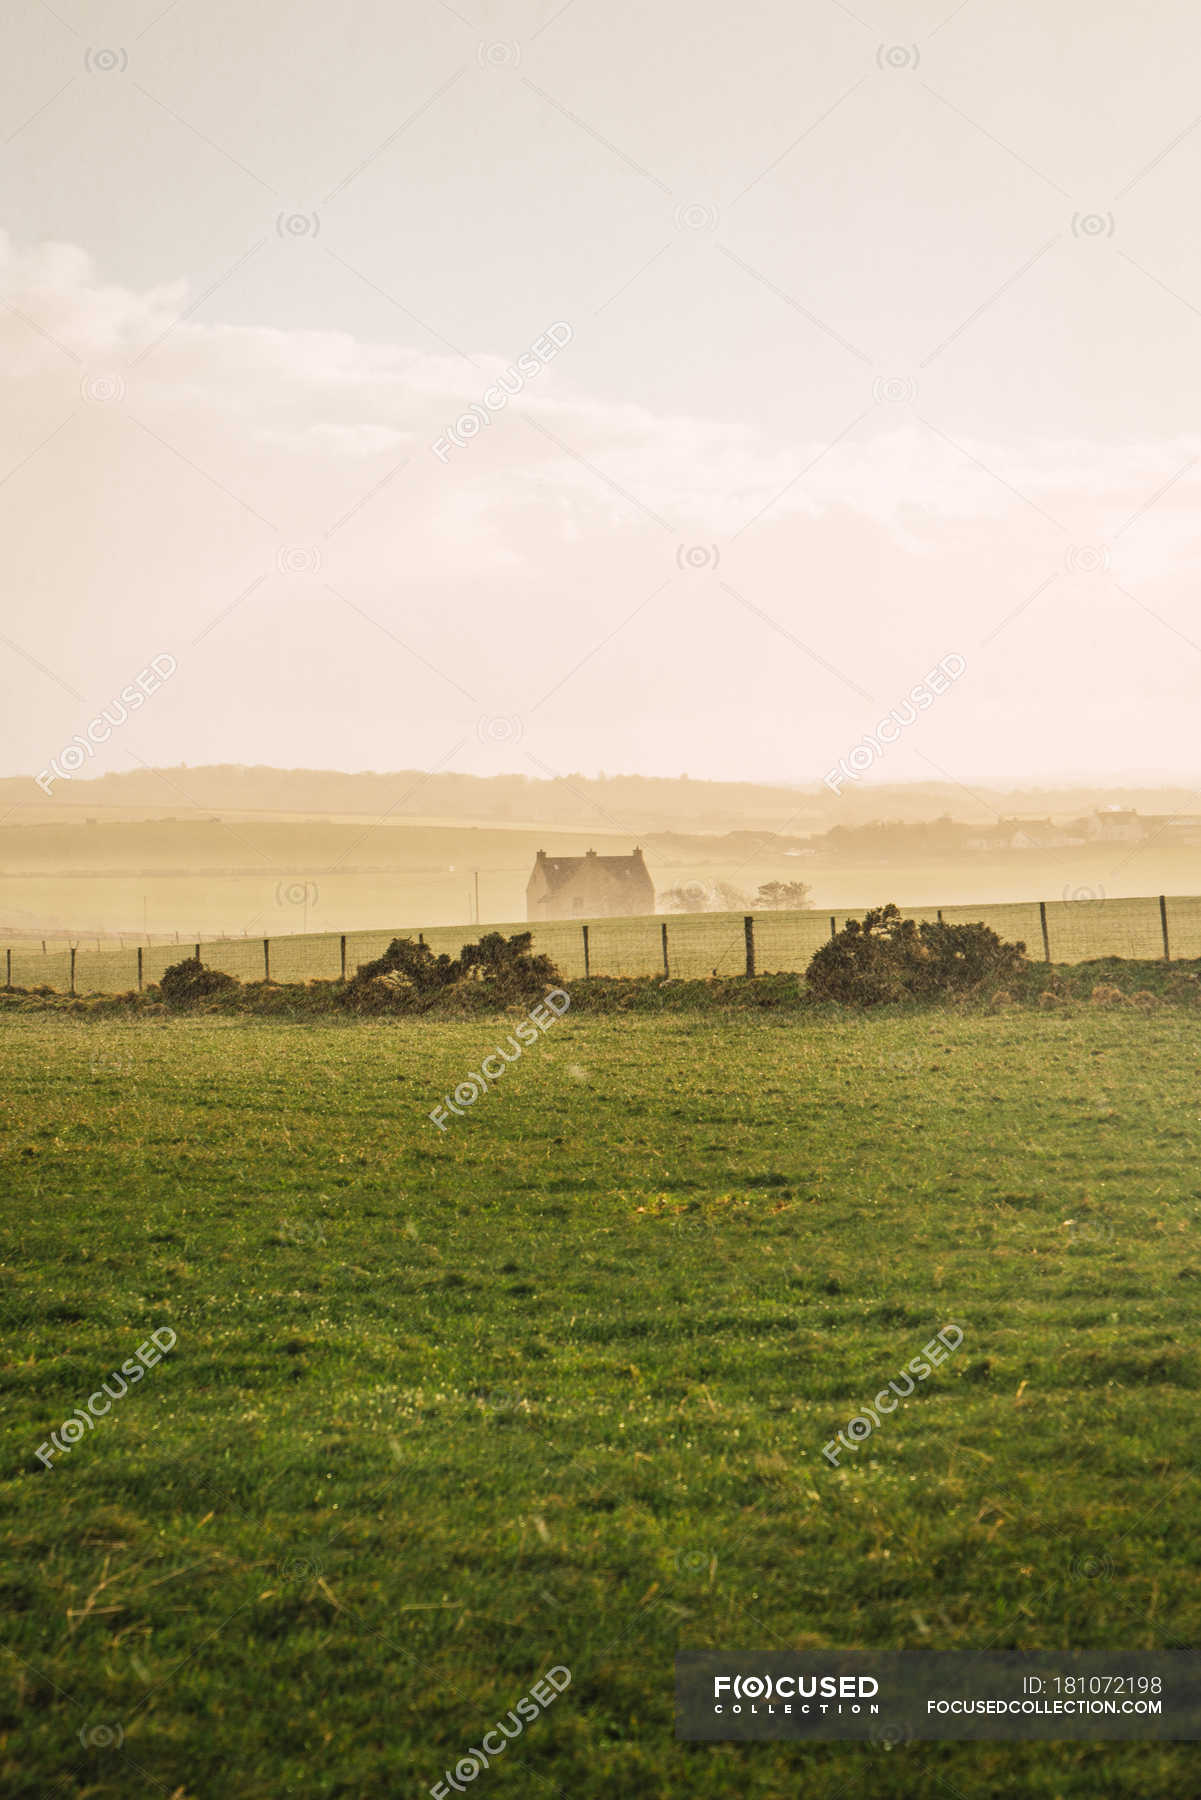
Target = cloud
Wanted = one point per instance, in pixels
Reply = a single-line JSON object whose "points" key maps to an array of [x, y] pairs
{"points": [[326, 395], [525, 563]]}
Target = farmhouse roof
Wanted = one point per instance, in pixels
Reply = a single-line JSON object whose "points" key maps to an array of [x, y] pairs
{"points": [[560, 869]]}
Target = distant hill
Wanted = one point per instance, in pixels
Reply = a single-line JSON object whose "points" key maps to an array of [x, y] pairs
{"points": [[630, 805], [625, 804]]}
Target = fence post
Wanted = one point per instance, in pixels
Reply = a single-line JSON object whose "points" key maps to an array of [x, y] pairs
{"points": [[748, 931], [196, 947], [139, 968], [940, 915], [587, 964], [8, 968], [72, 968], [343, 956], [1042, 919], [1163, 920], [833, 926], [666, 964], [266, 959]]}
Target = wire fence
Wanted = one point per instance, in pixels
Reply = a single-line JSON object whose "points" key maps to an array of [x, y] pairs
{"points": [[686, 946]]}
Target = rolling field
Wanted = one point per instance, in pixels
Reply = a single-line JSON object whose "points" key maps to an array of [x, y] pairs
{"points": [[551, 1387], [71, 881]]}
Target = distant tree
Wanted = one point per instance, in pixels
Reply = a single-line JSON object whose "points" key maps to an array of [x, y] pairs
{"points": [[704, 896], [691, 898], [728, 899], [783, 896]]}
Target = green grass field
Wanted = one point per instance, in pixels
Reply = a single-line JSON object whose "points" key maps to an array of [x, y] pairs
{"points": [[551, 1387]]}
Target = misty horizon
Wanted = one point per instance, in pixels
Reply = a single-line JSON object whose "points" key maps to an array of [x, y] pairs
{"points": [[78, 788]]}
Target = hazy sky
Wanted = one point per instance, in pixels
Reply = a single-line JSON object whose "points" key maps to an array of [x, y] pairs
{"points": [[882, 330]]}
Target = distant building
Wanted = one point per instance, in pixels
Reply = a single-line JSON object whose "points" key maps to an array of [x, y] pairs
{"points": [[1116, 825], [1041, 834], [1174, 828], [589, 887], [1026, 834]]}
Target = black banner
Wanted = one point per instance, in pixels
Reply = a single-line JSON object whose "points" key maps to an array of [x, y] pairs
{"points": [[892, 1697]]}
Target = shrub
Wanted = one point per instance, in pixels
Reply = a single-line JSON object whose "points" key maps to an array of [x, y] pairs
{"points": [[864, 963], [884, 958], [409, 976], [406, 975], [507, 965], [189, 983], [958, 958], [408, 964]]}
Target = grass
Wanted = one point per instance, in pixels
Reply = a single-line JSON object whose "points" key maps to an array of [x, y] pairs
{"points": [[552, 1386]]}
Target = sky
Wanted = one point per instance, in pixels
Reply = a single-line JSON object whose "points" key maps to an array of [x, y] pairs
{"points": [[839, 341]]}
